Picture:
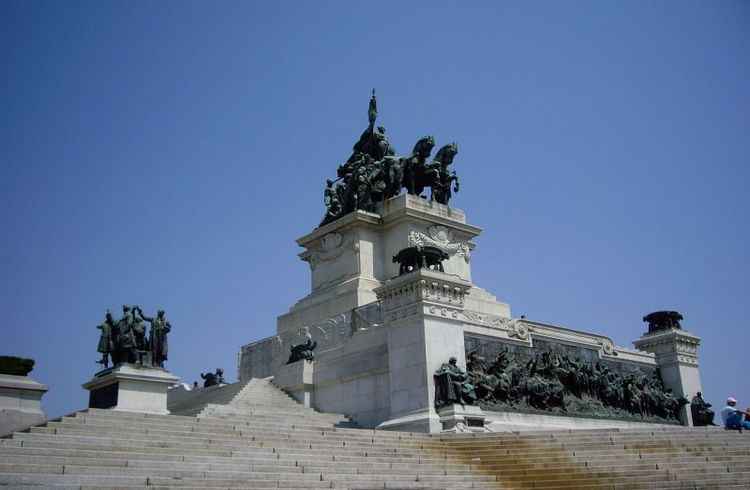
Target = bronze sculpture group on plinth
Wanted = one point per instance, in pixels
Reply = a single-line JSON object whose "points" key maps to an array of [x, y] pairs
{"points": [[125, 340], [137, 380], [374, 173]]}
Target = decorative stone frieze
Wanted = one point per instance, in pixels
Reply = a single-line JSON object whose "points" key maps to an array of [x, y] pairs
{"points": [[442, 294]]}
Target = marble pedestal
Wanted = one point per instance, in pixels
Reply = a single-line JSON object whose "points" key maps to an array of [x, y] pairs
{"points": [[462, 418], [676, 354], [297, 380], [131, 388], [20, 403], [422, 315]]}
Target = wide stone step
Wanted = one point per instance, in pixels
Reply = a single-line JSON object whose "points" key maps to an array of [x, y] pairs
{"points": [[312, 481], [624, 440], [243, 476], [107, 444], [236, 437], [123, 439], [278, 416], [190, 439], [129, 417], [245, 430], [139, 455]]}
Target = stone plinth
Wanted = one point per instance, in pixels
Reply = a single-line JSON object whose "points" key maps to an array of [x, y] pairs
{"points": [[462, 418], [131, 388], [422, 316], [297, 380], [20, 403], [676, 353]]}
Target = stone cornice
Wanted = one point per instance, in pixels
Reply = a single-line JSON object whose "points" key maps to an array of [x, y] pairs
{"points": [[394, 211], [132, 373], [525, 331], [11, 381], [355, 218]]}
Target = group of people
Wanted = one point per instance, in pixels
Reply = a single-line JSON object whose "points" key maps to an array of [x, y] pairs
{"points": [[549, 380], [374, 173], [125, 340], [734, 418]]}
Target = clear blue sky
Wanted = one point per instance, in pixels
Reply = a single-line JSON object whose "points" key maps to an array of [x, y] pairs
{"points": [[169, 153]]}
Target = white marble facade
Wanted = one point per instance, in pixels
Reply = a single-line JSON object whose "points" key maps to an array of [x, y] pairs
{"points": [[377, 367]]}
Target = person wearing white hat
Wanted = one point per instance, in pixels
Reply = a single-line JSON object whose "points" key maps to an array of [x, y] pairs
{"points": [[733, 418]]}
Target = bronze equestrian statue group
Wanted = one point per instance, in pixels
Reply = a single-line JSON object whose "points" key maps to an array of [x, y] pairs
{"points": [[374, 173]]}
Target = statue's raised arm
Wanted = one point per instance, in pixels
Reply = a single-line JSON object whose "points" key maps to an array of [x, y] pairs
{"points": [[139, 311]]}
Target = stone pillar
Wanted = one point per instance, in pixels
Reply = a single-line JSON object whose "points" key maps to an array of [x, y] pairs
{"points": [[20, 403], [131, 388], [423, 316], [676, 354], [297, 380]]}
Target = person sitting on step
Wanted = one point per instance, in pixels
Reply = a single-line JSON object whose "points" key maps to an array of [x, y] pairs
{"points": [[733, 418]]}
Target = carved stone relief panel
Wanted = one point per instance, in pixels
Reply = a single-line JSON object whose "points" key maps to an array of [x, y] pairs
{"points": [[442, 238]]}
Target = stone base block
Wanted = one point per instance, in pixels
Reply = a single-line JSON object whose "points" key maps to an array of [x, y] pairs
{"points": [[20, 403], [131, 388], [297, 380], [522, 422], [420, 421], [462, 418]]}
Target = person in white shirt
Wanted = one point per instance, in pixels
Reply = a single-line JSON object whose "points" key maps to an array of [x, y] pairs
{"points": [[733, 418]]}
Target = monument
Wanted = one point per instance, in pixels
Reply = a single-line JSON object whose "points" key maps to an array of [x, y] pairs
{"points": [[137, 380], [393, 315]]}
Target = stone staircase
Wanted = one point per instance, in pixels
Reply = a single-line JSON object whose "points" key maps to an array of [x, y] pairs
{"points": [[259, 438], [257, 398], [214, 395]]}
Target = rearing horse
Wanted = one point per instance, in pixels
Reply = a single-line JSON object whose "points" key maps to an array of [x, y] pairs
{"points": [[438, 177], [415, 167]]}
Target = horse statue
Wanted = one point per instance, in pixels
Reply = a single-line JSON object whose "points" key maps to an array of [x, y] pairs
{"points": [[415, 168], [438, 177], [419, 257]]}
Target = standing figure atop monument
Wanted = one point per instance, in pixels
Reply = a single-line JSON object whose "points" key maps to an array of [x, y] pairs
{"points": [[373, 141], [106, 340], [125, 345], [139, 329], [157, 339]]}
